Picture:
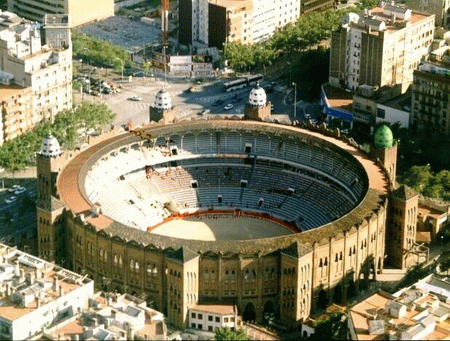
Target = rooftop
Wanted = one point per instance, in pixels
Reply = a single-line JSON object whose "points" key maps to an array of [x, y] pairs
{"points": [[28, 282], [415, 312], [216, 309], [111, 315]]}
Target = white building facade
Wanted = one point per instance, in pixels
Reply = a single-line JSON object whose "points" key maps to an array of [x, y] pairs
{"points": [[46, 68], [211, 317], [37, 294]]}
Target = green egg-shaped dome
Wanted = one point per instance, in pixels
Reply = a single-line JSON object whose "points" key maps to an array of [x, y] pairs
{"points": [[383, 137]]}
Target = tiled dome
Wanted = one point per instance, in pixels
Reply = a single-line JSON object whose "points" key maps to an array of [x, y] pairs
{"points": [[163, 100], [50, 146]]}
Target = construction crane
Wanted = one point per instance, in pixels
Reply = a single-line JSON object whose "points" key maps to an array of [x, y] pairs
{"points": [[165, 22]]}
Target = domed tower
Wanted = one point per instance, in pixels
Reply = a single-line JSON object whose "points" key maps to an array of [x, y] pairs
{"points": [[162, 107], [49, 208], [385, 148], [257, 108]]}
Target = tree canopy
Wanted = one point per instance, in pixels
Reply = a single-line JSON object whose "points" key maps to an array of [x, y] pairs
{"points": [[226, 333], [332, 328], [19, 153], [424, 181], [98, 52]]}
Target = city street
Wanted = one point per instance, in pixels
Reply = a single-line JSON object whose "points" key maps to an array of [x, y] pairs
{"points": [[23, 219], [191, 104]]}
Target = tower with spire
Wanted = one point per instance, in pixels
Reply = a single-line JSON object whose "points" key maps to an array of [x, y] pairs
{"points": [[49, 208], [258, 107], [384, 148], [162, 108]]}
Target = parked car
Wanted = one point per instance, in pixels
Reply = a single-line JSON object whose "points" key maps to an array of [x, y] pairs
{"points": [[13, 188], [135, 98], [228, 106], [20, 190], [10, 200]]}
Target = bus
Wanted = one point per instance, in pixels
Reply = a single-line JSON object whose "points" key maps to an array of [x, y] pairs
{"points": [[239, 83], [254, 79]]}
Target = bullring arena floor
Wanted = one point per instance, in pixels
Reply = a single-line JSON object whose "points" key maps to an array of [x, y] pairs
{"points": [[221, 227]]}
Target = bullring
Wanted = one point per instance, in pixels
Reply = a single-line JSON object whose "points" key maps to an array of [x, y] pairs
{"points": [[326, 194]]}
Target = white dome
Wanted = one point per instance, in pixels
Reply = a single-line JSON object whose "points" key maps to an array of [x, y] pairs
{"points": [[257, 97], [50, 146], [163, 100]]}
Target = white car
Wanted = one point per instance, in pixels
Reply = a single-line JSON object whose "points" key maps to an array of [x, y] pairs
{"points": [[20, 190], [10, 200], [135, 98], [228, 106], [13, 188]]}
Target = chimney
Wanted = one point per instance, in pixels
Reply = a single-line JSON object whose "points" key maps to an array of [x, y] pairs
{"points": [[55, 283], [38, 273], [8, 289], [76, 337], [61, 291], [22, 275], [38, 302], [30, 278], [16, 268], [113, 313], [95, 320]]}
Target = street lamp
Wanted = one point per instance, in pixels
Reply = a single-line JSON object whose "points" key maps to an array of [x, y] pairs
{"points": [[295, 99], [81, 61], [121, 61], [290, 71], [93, 69]]}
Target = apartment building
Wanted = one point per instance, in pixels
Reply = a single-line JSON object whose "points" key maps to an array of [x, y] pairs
{"points": [[110, 316], [273, 15], [35, 72], [380, 47], [418, 312], [440, 8], [17, 111], [430, 102], [46, 68], [230, 21], [79, 11], [316, 5], [35, 294], [215, 22]]}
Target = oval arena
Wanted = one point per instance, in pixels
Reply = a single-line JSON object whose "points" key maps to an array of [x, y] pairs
{"points": [[275, 219]]}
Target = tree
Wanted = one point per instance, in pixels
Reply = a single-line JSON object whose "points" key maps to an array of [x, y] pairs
{"points": [[226, 333], [332, 328], [17, 154], [445, 265], [418, 177], [98, 52]]}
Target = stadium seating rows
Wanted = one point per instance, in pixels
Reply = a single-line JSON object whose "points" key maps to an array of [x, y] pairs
{"points": [[255, 179]]}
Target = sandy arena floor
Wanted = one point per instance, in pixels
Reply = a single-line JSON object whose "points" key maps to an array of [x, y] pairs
{"points": [[227, 227]]}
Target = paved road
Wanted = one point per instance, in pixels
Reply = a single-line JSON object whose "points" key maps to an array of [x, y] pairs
{"points": [[23, 219], [189, 104]]}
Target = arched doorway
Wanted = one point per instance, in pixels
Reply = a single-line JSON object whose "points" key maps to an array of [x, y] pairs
{"points": [[322, 301], [269, 312], [249, 312], [337, 294]]}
